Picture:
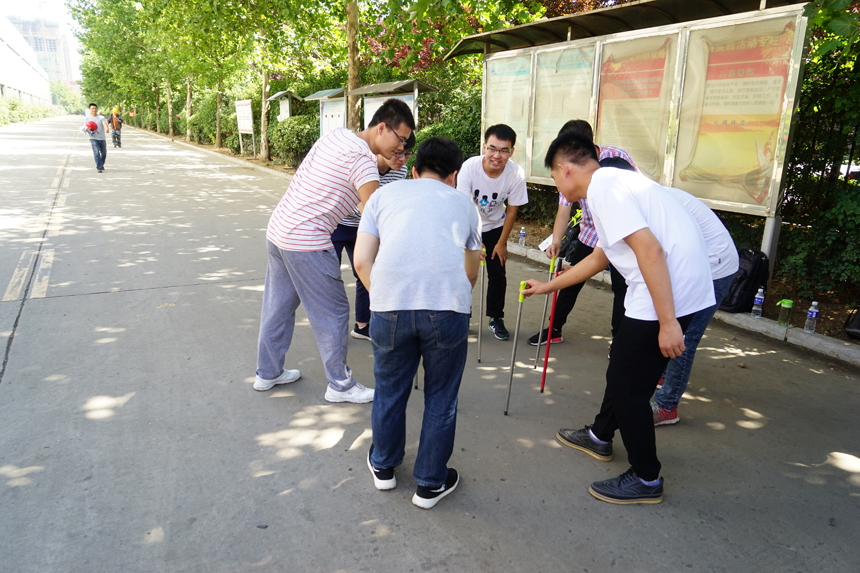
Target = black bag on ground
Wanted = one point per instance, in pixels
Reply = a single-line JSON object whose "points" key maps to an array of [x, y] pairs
{"points": [[752, 275], [852, 324]]}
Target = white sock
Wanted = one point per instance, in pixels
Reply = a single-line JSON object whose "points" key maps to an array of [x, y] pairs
{"points": [[594, 438], [656, 482]]}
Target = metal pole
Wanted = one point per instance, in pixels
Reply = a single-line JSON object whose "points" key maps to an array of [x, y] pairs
{"points": [[241, 149], [543, 318], [481, 313], [254, 144], [514, 353]]}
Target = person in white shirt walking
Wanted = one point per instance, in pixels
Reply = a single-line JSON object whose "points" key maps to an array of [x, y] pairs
{"points": [[98, 139], [339, 172]]}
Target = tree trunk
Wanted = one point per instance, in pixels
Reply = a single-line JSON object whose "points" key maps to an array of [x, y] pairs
{"points": [[188, 110], [157, 110], [218, 115], [353, 106], [264, 118], [169, 107]]}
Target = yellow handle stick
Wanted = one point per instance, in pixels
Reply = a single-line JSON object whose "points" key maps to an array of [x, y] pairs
{"points": [[522, 288]]}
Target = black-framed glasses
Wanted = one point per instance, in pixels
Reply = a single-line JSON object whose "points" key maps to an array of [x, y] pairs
{"points": [[503, 151], [403, 154], [403, 140]]}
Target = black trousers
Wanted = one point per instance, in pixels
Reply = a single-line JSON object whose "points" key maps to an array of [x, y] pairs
{"points": [[497, 282], [634, 369]]}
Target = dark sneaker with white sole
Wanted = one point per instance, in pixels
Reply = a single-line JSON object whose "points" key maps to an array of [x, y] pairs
{"points": [[362, 333], [383, 479], [627, 489], [497, 325], [540, 337], [581, 440], [428, 497]]}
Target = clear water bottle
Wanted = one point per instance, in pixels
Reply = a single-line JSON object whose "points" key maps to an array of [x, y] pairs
{"points": [[758, 301], [785, 312], [811, 318], [522, 236]]}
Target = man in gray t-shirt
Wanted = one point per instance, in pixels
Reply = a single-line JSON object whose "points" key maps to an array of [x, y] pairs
{"points": [[97, 135], [420, 301]]}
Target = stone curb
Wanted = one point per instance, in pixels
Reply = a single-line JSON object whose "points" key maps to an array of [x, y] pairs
{"points": [[826, 345], [236, 160]]}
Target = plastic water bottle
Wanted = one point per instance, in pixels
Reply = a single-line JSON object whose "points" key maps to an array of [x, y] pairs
{"points": [[522, 236], [758, 301], [811, 318]]}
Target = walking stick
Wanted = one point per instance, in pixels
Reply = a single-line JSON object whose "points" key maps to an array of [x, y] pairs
{"points": [[514, 353], [481, 313], [543, 318], [549, 337]]}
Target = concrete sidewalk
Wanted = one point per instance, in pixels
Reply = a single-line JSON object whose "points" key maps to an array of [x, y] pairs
{"points": [[131, 439]]}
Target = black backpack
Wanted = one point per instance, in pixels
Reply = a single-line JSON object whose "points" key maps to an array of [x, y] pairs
{"points": [[752, 275], [571, 236]]}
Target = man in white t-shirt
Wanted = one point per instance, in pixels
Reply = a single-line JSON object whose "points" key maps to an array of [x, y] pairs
{"points": [[417, 314], [339, 172], [497, 185], [659, 249], [97, 136]]}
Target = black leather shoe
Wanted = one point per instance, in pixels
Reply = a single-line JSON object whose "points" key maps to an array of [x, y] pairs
{"points": [[580, 440]]}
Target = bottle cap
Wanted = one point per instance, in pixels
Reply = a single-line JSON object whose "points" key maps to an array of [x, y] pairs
{"points": [[785, 303]]}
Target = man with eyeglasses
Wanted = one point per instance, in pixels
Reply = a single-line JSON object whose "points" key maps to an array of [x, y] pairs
{"points": [[498, 186], [340, 172], [343, 238]]}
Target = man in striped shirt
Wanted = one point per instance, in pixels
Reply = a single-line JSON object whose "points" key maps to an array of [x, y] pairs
{"points": [[339, 173], [585, 244]]}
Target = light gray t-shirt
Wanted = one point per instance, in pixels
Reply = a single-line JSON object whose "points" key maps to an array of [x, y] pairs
{"points": [[424, 229], [99, 133]]}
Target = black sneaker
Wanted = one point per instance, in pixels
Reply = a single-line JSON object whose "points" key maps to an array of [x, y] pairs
{"points": [[383, 479], [540, 338], [361, 333], [625, 489], [581, 440], [427, 497], [497, 325]]}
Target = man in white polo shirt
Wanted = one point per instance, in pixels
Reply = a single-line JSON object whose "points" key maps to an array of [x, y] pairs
{"points": [[658, 247], [339, 172]]}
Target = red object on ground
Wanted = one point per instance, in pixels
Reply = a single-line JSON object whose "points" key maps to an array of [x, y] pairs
{"points": [[91, 125], [549, 336]]}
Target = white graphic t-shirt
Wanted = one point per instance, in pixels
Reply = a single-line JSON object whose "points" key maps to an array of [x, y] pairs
{"points": [[490, 194]]}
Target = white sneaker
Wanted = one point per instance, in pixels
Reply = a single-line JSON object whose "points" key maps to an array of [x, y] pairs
{"points": [[286, 377], [358, 394]]}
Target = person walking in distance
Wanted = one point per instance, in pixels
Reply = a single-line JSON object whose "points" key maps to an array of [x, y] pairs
{"points": [[497, 185], [115, 121], [95, 125]]}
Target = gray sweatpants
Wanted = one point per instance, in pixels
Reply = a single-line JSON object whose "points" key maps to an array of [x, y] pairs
{"points": [[313, 279]]}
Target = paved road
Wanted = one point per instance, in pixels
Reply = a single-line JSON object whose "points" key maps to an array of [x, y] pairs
{"points": [[131, 440]]}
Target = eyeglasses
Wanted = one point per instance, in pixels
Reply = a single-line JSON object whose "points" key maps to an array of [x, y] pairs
{"points": [[504, 152], [403, 140], [403, 154]]}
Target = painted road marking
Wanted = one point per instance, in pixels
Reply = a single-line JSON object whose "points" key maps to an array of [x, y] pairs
{"points": [[19, 276], [61, 200], [66, 182], [56, 182], [39, 225], [56, 224], [40, 285]]}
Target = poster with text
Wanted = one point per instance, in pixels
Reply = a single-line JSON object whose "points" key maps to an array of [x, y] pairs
{"points": [[244, 116], [371, 104], [563, 86], [332, 114], [731, 110], [636, 80], [507, 98]]}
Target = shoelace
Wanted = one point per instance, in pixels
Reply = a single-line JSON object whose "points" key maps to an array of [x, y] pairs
{"points": [[628, 477]]}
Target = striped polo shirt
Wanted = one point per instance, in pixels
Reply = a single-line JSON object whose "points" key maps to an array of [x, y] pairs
{"points": [[323, 192], [390, 176]]}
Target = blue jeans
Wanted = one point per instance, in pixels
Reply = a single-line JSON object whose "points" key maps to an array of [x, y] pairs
{"points": [[99, 152], [116, 137], [677, 373], [399, 339]]}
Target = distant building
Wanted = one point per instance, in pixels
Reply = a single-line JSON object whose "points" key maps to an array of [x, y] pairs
{"points": [[21, 76], [51, 47]]}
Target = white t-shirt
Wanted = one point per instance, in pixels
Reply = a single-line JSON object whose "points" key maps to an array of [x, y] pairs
{"points": [[323, 192], [490, 194], [443, 223], [624, 202], [389, 176], [722, 253]]}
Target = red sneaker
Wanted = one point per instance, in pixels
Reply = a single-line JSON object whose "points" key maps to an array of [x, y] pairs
{"points": [[663, 417]]}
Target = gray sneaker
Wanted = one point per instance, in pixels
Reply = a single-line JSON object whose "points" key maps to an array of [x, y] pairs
{"points": [[580, 440], [627, 489], [286, 377]]}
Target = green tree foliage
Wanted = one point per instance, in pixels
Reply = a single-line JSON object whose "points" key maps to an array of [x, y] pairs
{"points": [[63, 96]]}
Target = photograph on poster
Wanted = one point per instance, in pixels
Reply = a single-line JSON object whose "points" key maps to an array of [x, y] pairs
{"points": [[636, 81], [507, 98], [731, 110], [563, 85]]}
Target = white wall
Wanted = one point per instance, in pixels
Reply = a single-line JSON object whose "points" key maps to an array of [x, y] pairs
{"points": [[21, 76]]}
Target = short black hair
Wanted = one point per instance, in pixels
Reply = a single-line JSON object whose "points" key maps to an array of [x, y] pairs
{"points": [[439, 155], [502, 132], [410, 141], [570, 147], [578, 126], [617, 162], [393, 113], [92, 104]]}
